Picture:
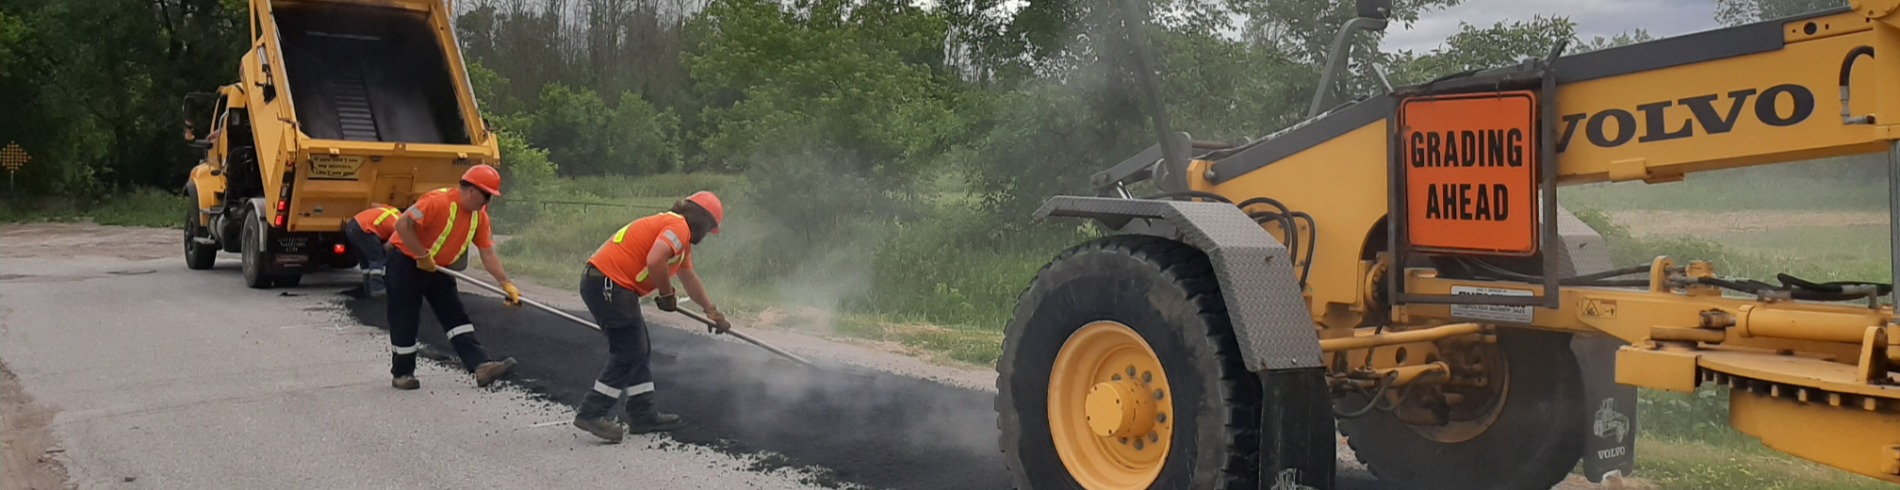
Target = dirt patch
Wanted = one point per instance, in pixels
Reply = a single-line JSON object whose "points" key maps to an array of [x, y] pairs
{"points": [[88, 239], [26, 444], [1690, 223]]}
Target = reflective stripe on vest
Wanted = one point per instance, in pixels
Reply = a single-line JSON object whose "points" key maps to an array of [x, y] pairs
{"points": [[474, 223], [387, 213]]}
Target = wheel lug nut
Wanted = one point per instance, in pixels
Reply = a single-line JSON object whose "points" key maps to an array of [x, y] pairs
{"points": [[1147, 376], [1131, 371], [1159, 395], [1137, 444], [1116, 377], [1153, 437], [1161, 418], [1124, 441]]}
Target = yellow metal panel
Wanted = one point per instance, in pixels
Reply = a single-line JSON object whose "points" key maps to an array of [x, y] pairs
{"points": [[1342, 183], [1785, 106], [1849, 438], [1659, 369]]}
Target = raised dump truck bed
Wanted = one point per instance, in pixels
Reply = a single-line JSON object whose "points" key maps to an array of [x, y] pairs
{"points": [[339, 104]]}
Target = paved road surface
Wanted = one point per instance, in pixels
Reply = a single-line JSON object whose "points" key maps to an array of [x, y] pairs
{"points": [[133, 372], [162, 377]]}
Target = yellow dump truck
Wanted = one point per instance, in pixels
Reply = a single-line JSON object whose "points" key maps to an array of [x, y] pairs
{"points": [[338, 104]]}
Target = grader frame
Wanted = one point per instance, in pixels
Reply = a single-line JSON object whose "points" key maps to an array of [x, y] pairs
{"points": [[1407, 285]]}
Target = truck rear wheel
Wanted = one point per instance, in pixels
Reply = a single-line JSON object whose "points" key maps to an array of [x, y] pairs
{"points": [[1120, 371], [254, 256], [1517, 423], [198, 256]]}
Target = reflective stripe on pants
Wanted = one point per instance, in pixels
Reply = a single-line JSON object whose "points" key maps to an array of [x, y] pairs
{"points": [[627, 372], [408, 288]]}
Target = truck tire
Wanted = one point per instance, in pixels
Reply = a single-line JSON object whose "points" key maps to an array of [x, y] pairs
{"points": [[1533, 442], [254, 256], [197, 256], [1090, 316]]}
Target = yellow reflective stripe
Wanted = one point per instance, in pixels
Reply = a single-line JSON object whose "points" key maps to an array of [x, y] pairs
{"points": [[387, 213], [474, 223], [444, 237], [621, 235]]}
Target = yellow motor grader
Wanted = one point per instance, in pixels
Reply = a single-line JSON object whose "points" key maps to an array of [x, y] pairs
{"points": [[1392, 269]]}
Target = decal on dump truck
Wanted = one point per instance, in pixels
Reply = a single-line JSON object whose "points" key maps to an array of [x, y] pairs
{"points": [[333, 167], [1470, 165]]}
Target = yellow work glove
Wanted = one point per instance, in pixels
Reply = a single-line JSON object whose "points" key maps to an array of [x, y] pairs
{"points": [[514, 294], [427, 264]]}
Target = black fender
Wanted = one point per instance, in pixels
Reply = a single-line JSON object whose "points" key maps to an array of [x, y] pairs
{"points": [[1264, 300]]}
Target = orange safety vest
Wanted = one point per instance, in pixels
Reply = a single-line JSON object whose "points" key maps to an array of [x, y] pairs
{"points": [[379, 219], [623, 258], [428, 212]]}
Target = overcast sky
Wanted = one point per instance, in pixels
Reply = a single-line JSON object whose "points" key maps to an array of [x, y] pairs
{"points": [[1662, 18]]}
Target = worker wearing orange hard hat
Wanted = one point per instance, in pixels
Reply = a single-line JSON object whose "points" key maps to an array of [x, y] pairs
{"points": [[367, 232], [436, 232], [639, 260]]}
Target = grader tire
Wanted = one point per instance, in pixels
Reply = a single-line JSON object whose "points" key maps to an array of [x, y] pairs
{"points": [[1125, 287], [1536, 439]]}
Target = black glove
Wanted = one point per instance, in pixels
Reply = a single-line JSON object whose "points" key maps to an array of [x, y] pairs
{"points": [[720, 325], [667, 302]]}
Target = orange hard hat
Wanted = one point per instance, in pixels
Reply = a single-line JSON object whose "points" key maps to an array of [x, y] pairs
{"points": [[485, 178], [711, 202]]}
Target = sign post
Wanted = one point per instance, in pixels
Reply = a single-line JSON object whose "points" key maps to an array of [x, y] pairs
{"points": [[12, 157]]}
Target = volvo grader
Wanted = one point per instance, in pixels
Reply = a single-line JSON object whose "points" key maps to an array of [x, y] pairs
{"points": [[339, 104], [1391, 269]]}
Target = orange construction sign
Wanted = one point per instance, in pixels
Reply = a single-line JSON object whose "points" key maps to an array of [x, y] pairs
{"points": [[1470, 164]]}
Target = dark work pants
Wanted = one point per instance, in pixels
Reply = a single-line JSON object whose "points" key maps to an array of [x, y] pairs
{"points": [[408, 287], [369, 249], [617, 311]]}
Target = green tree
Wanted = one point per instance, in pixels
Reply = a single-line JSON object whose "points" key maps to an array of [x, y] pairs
{"points": [[1738, 12], [586, 136], [1477, 48]]}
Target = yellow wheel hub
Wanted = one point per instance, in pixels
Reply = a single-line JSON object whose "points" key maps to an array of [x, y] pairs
{"points": [[1110, 408]]}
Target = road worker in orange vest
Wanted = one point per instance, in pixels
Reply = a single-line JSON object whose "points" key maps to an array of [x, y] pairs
{"points": [[641, 260], [433, 233], [367, 232]]}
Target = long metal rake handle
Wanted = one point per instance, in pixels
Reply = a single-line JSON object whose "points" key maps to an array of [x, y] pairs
{"points": [[582, 321]]}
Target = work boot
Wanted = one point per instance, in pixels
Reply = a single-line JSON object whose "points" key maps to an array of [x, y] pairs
{"points": [[592, 417], [643, 418], [373, 283], [405, 383], [490, 371]]}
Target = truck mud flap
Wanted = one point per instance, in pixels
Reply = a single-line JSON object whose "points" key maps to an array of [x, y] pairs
{"points": [[1610, 449]]}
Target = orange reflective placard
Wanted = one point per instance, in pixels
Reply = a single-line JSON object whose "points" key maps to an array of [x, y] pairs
{"points": [[1470, 164]]}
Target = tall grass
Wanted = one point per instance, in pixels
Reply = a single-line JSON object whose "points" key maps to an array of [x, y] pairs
{"points": [[140, 207]]}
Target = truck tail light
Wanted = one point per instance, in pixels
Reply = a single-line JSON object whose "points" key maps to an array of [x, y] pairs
{"points": [[339, 249]]}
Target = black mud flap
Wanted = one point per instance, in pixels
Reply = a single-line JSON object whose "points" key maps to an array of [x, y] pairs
{"points": [[1297, 439], [1610, 449]]}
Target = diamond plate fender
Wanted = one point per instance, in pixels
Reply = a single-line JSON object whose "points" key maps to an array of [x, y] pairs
{"points": [[1271, 323]]}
